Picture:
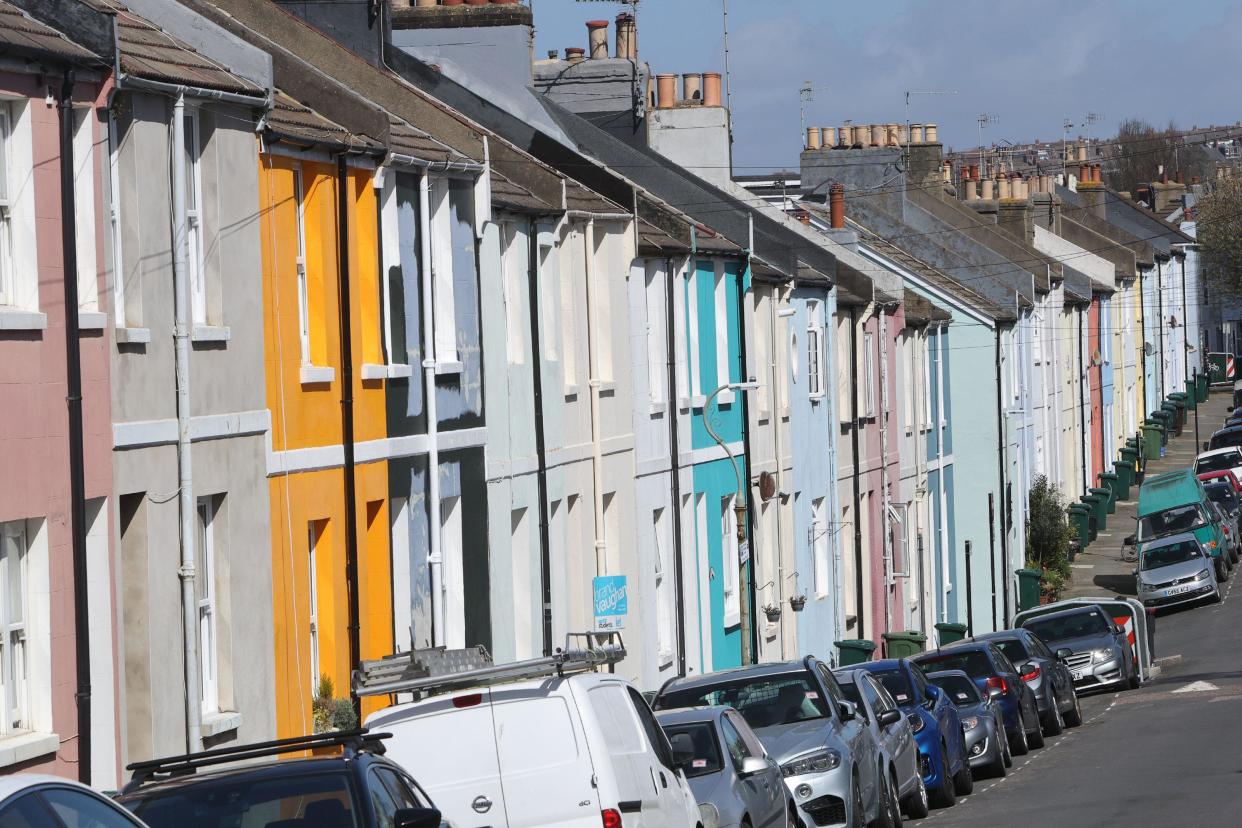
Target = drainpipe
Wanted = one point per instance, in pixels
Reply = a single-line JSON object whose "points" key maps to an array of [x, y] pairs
{"points": [[185, 478], [889, 580], [1000, 461], [943, 539], [674, 444], [1162, 393], [776, 387], [855, 442], [347, 413], [77, 472], [597, 453], [1083, 381], [1185, 341], [746, 496], [541, 456], [434, 558]]}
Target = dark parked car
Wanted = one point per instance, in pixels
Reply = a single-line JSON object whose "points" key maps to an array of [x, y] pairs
{"points": [[1230, 436], [1226, 499], [894, 734], [1044, 673], [1096, 650], [983, 721], [991, 670], [937, 728], [357, 788]]}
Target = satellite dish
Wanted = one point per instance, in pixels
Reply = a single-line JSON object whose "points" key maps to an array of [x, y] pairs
{"points": [[767, 485], [1148, 349]]}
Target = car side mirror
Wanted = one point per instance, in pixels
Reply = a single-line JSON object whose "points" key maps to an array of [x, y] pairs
{"points": [[752, 765], [1064, 653], [416, 818], [888, 718], [933, 692], [847, 710]]}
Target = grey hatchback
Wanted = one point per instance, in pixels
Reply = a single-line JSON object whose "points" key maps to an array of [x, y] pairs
{"points": [[1045, 674], [983, 721], [732, 777]]}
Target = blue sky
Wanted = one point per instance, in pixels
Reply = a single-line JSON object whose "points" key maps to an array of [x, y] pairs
{"points": [[1032, 64]]}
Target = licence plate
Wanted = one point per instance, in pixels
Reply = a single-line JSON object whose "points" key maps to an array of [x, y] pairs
{"points": [[1078, 675], [1179, 590]]}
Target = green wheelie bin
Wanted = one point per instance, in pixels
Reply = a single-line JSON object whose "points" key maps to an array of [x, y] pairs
{"points": [[1108, 506], [1125, 477], [1109, 480], [948, 631], [854, 651], [903, 644], [1080, 521], [1028, 588], [1098, 510]]}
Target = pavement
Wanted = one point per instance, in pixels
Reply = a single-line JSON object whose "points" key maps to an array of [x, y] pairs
{"points": [[1165, 754]]}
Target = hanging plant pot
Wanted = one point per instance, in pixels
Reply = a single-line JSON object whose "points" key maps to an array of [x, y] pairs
{"points": [[772, 612], [797, 602]]}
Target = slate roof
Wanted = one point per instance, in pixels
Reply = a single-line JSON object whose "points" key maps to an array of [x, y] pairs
{"points": [[1140, 223], [408, 140], [293, 121], [919, 310], [22, 34], [152, 54], [515, 197]]}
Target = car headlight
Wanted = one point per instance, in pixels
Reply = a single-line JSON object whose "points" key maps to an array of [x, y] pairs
{"points": [[1203, 575], [817, 762], [916, 722], [970, 722], [1100, 655]]}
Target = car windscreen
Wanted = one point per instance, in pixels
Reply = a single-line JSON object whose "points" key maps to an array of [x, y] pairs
{"points": [[1222, 494], [961, 689], [1171, 521], [971, 662], [764, 701], [699, 740], [1217, 462], [1174, 553], [1013, 649], [1224, 439], [310, 799], [897, 685], [1062, 627]]}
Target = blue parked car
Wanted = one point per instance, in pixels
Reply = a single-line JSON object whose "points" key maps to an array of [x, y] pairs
{"points": [[937, 728], [994, 674]]}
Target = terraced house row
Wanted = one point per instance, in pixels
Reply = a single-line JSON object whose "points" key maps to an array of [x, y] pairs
{"points": [[385, 343]]}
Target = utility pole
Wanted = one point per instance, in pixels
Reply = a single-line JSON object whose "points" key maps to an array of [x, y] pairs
{"points": [[1066, 126], [984, 119], [805, 95]]}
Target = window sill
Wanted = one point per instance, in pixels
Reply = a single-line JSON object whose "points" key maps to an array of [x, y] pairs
{"points": [[398, 371], [23, 747], [733, 619], [444, 367], [764, 415], [785, 414], [698, 401], [371, 371], [607, 388], [92, 320], [215, 724], [133, 336], [725, 397], [12, 319], [665, 658], [816, 398], [657, 409], [317, 374], [571, 392], [210, 333]]}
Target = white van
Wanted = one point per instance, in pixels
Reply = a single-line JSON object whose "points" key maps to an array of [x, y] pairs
{"points": [[570, 751]]}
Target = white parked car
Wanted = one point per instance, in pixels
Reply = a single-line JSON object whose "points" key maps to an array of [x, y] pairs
{"points": [[561, 750], [29, 799], [1221, 459]]}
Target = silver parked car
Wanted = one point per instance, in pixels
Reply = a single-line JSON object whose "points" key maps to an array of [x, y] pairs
{"points": [[1096, 651], [987, 745], [892, 732], [1171, 571], [733, 779]]}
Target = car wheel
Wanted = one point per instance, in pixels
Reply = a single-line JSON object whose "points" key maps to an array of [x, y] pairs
{"points": [[1216, 598], [1055, 723], [791, 816], [890, 812], [1021, 746], [1222, 574], [1035, 739], [964, 780], [944, 796], [860, 810], [917, 805], [1132, 682], [1074, 717], [998, 767]]}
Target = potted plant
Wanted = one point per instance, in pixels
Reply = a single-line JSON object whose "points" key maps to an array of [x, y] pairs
{"points": [[773, 612], [329, 714], [797, 602]]}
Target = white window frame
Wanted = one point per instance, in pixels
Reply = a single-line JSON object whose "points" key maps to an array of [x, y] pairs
{"points": [[299, 206], [14, 652], [120, 310], [729, 561], [694, 364], [8, 271], [868, 356], [569, 264], [549, 278], [390, 239], [665, 644], [657, 346], [720, 297], [814, 351], [208, 641], [927, 382], [764, 298], [444, 302], [312, 591], [513, 289], [84, 208], [845, 384], [605, 253], [453, 580], [194, 218], [819, 547]]}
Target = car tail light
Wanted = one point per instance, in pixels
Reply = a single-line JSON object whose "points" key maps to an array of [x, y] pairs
{"points": [[611, 817], [468, 700], [1000, 684], [1031, 676]]}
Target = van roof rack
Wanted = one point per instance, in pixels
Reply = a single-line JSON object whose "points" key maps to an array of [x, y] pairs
{"points": [[439, 670], [352, 741]]}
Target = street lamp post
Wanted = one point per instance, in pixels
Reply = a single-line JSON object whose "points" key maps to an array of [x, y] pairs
{"points": [[740, 511]]}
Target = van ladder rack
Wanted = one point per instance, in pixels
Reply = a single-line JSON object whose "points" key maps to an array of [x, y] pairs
{"points": [[352, 741], [438, 670]]}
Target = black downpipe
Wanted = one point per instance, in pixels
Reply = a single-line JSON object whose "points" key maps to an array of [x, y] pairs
{"points": [[1164, 392], [670, 332], [541, 455], [73, 400], [854, 441], [1000, 463], [1083, 382], [992, 555], [970, 594], [1143, 338], [748, 570], [347, 413]]}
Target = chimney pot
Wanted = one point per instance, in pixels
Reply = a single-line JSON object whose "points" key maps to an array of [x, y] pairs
{"points": [[575, 54], [812, 138], [877, 135], [930, 135], [692, 87], [916, 133], [1081, 149], [553, 54], [829, 137], [1095, 173], [836, 197], [974, 171], [711, 89], [970, 191], [1006, 189], [891, 138], [627, 37], [597, 38], [1164, 176], [986, 192], [666, 91], [1084, 172]]}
